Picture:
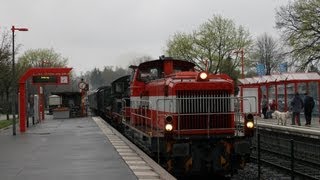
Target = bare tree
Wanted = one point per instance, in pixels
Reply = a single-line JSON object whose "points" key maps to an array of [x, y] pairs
{"points": [[267, 52]]}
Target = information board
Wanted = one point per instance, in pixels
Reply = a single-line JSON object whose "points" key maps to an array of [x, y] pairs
{"points": [[44, 79]]}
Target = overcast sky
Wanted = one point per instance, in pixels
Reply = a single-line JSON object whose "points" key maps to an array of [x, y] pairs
{"points": [[97, 33]]}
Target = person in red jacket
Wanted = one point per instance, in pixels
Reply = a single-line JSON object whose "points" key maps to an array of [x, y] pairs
{"points": [[273, 105]]}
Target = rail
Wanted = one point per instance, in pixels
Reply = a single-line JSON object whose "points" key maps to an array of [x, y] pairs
{"points": [[295, 157]]}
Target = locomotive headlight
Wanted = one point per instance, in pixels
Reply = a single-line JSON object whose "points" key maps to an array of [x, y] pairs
{"points": [[168, 127], [250, 124], [203, 75]]}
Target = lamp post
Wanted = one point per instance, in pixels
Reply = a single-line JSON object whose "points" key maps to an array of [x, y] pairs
{"points": [[13, 80], [242, 65]]}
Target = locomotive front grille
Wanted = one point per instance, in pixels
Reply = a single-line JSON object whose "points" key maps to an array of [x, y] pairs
{"points": [[204, 109]]}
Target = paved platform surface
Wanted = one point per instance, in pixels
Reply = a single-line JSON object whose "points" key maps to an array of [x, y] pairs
{"points": [[61, 149], [315, 123], [312, 131]]}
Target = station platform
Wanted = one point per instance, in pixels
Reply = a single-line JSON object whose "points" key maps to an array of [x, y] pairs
{"points": [[77, 148], [312, 131]]}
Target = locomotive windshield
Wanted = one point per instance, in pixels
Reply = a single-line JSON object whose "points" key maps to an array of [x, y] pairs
{"points": [[179, 66]]}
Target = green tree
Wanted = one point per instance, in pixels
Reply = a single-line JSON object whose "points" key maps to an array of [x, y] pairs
{"points": [[5, 72], [299, 24], [214, 41], [40, 58]]}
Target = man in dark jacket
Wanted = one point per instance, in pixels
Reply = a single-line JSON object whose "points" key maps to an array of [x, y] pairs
{"points": [[308, 107], [296, 106], [264, 105]]}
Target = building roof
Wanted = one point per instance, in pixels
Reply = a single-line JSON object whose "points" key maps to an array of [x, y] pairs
{"points": [[281, 77]]}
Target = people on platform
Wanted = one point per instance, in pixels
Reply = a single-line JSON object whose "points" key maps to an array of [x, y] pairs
{"points": [[308, 107], [273, 105], [296, 106], [272, 108], [264, 105]]}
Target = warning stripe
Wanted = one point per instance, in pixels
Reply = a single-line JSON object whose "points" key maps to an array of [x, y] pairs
{"points": [[137, 164]]}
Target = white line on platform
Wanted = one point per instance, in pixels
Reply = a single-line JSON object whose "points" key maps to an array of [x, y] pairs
{"points": [[139, 167]]}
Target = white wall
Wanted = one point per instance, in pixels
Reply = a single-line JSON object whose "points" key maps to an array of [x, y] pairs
{"points": [[250, 100]]}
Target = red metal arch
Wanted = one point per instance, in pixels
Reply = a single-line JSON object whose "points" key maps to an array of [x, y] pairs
{"points": [[22, 88]]}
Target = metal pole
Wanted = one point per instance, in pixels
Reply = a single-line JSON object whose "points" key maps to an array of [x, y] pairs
{"points": [[242, 65], [13, 87], [259, 162]]}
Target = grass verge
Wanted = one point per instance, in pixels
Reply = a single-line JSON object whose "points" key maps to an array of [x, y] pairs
{"points": [[5, 123]]}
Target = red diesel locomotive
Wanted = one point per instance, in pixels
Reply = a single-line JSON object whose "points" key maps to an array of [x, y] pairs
{"points": [[186, 119]]}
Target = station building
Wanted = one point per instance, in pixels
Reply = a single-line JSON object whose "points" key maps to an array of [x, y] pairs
{"points": [[280, 87]]}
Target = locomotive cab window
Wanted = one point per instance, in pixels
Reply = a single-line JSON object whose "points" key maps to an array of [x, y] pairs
{"points": [[154, 73], [144, 76], [147, 75], [179, 66]]}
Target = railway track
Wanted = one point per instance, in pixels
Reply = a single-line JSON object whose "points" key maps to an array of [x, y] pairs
{"points": [[290, 159], [276, 160], [301, 168]]}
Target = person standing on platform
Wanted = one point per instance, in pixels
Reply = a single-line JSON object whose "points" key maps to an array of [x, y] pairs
{"points": [[308, 107], [296, 106], [264, 104], [273, 107]]}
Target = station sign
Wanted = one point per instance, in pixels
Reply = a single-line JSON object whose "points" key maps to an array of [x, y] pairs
{"points": [[51, 79]]}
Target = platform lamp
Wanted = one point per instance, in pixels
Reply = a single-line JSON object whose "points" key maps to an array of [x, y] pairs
{"points": [[13, 29]]}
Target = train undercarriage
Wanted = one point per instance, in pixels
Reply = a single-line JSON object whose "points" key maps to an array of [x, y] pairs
{"points": [[197, 156]]}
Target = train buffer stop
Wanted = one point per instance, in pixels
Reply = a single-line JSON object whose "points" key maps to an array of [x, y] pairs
{"points": [[73, 148]]}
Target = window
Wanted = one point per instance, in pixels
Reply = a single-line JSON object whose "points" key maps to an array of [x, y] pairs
{"points": [[119, 87], [281, 102], [147, 75]]}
